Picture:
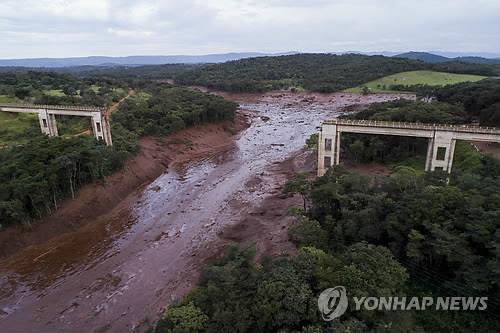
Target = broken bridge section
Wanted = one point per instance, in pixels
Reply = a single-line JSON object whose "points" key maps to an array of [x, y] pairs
{"points": [[47, 116], [442, 139]]}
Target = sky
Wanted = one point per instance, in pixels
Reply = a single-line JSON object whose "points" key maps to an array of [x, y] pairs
{"points": [[69, 28]]}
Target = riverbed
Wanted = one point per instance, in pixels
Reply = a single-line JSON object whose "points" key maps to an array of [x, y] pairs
{"points": [[141, 256]]}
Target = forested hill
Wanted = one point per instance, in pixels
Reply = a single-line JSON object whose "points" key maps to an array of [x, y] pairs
{"points": [[435, 59], [315, 72]]}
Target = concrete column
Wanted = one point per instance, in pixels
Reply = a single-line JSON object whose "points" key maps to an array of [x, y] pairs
{"points": [[337, 148], [440, 152], [430, 150], [43, 117], [97, 126], [53, 125], [327, 148], [107, 131], [101, 128]]}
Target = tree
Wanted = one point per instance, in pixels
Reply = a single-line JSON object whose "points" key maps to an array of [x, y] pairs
{"points": [[299, 184], [306, 232], [184, 319]]}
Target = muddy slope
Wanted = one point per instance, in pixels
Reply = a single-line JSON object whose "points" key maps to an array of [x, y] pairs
{"points": [[94, 200]]}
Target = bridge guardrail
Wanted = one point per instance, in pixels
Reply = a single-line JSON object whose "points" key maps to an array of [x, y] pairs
{"points": [[56, 107], [408, 125]]}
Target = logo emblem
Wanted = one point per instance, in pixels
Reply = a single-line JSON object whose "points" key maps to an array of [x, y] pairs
{"points": [[332, 303]]}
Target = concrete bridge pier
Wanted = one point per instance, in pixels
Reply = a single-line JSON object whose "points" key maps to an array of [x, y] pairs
{"points": [[440, 152], [328, 148], [101, 128], [47, 117], [442, 139], [48, 123]]}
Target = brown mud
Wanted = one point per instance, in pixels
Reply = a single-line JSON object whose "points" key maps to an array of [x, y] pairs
{"points": [[126, 255], [98, 199]]}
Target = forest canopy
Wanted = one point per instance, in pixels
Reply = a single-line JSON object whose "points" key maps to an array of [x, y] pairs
{"points": [[404, 234], [314, 72]]}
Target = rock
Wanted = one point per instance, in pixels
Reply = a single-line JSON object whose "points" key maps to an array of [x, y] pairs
{"points": [[156, 188]]}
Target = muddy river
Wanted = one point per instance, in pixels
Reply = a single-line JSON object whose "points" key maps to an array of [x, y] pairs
{"points": [[143, 257]]}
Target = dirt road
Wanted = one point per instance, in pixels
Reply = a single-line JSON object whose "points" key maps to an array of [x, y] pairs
{"points": [[117, 273]]}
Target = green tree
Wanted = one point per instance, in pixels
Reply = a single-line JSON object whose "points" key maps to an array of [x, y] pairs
{"points": [[184, 319]]}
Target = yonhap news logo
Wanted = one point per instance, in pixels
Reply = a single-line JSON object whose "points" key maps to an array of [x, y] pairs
{"points": [[333, 303]]}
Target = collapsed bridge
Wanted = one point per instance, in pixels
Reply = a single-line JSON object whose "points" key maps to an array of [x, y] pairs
{"points": [[441, 147], [48, 124]]}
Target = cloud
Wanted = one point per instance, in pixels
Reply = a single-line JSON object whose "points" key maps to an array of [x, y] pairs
{"points": [[39, 28]]}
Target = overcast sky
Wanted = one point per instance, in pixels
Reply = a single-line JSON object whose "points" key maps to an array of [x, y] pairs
{"points": [[64, 28]]}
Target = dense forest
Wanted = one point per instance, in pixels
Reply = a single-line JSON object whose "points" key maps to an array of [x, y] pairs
{"points": [[38, 172], [315, 72], [172, 108], [41, 87], [405, 234], [387, 149], [481, 100]]}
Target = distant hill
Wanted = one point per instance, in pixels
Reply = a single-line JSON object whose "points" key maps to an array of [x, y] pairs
{"points": [[437, 59], [131, 60], [478, 60], [424, 56]]}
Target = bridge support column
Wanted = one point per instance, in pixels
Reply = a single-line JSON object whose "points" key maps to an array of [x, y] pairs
{"points": [[328, 148], [440, 152], [53, 125], [48, 123], [101, 128]]}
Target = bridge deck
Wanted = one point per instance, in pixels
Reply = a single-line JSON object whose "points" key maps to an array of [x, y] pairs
{"points": [[76, 108], [414, 126]]}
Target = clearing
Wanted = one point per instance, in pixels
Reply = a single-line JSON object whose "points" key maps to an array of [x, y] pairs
{"points": [[416, 77], [13, 127]]}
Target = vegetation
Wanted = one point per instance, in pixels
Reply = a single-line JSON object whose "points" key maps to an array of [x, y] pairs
{"points": [[411, 233], [16, 128], [36, 172], [429, 78], [170, 109], [479, 99], [154, 72], [391, 149], [433, 58], [34, 176], [317, 72], [406, 234], [42, 87]]}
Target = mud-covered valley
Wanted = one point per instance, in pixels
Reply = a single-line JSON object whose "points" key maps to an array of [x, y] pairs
{"points": [[115, 257]]}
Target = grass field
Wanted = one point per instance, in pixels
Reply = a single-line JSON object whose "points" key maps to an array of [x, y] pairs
{"points": [[7, 99], [54, 92], [416, 77], [13, 126]]}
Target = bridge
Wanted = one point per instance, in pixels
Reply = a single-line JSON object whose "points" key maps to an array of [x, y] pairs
{"points": [[47, 117], [441, 146]]}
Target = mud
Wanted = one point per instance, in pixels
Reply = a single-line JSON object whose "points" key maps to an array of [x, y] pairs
{"points": [[96, 200], [118, 272]]}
